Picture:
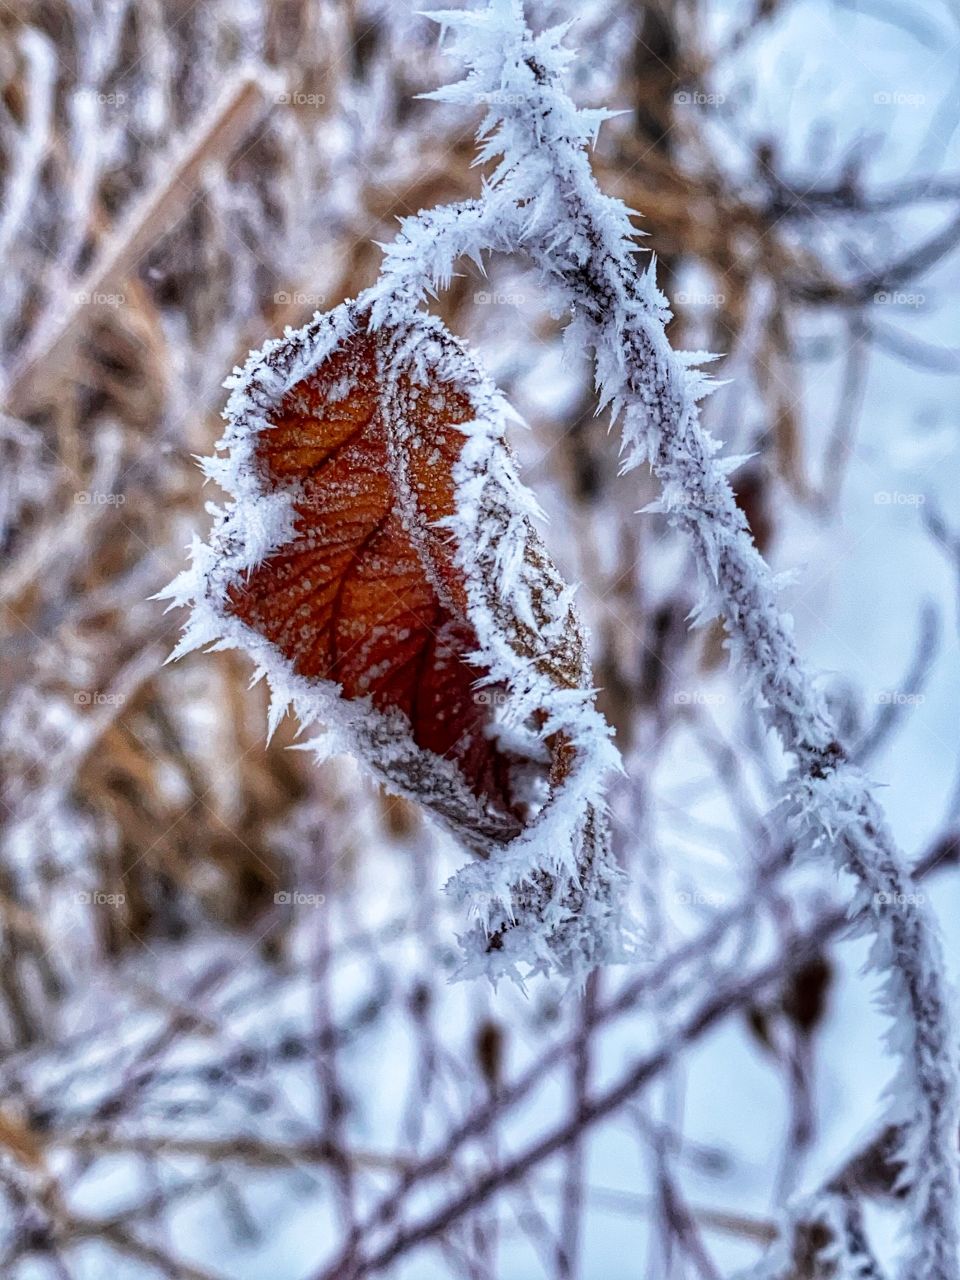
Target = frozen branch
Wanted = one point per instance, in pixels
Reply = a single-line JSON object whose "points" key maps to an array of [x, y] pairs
{"points": [[542, 200]]}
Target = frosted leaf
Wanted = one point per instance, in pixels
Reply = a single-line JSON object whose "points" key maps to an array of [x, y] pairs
{"points": [[380, 564]]}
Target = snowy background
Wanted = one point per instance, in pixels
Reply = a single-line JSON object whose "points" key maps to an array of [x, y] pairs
{"points": [[201, 1080]]}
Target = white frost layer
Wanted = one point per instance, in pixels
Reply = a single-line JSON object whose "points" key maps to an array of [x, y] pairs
{"points": [[548, 897]]}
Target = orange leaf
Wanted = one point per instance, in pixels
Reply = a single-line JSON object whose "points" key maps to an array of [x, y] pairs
{"points": [[358, 596], [380, 563]]}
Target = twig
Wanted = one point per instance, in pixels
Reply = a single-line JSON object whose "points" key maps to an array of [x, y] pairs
{"points": [[179, 182]]}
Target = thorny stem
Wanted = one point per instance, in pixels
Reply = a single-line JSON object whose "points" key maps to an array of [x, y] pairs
{"points": [[588, 252]]}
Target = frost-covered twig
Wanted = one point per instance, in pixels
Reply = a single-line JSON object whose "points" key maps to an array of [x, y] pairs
{"points": [[735, 986], [684, 972], [542, 200], [158, 209], [722, 989], [824, 1240]]}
